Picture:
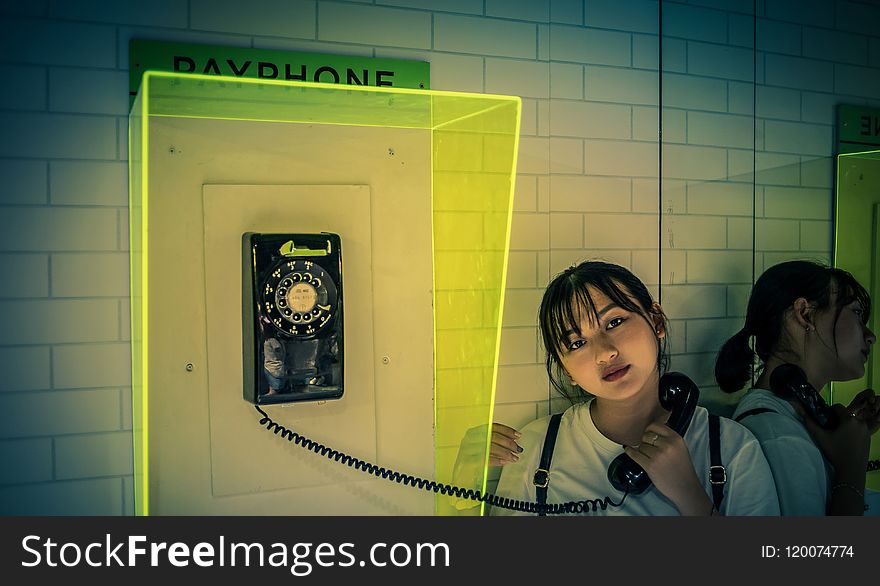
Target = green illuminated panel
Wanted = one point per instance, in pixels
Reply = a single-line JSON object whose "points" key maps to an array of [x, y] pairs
{"points": [[474, 140], [857, 249]]}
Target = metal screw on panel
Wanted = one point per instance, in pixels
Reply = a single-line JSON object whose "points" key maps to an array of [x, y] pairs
{"points": [[386, 360], [189, 367]]}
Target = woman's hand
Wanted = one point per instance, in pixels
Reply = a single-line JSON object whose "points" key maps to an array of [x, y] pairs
{"points": [[847, 445], [665, 457], [866, 406]]}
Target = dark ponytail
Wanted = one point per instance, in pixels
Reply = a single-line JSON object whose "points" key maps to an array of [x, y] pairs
{"points": [[772, 296], [735, 364]]}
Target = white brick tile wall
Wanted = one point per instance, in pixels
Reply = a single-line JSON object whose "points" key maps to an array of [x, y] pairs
{"points": [[62, 229], [779, 37], [24, 40], [720, 197], [588, 45], [166, 13], [566, 155], [73, 365], [57, 135], [579, 193], [694, 162], [529, 79], [614, 84], [721, 61], [777, 234], [630, 231], [704, 128], [856, 81], [840, 47], [636, 159], [694, 93], [58, 321], [519, 346], [484, 36], [38, 414], [629, 15], [740, 233], [566, 230], [741, 30], [719, 266], [857, 17], [28, 275], [694, 22], [798, 137], [25, 368], [462, 6], [90, 274], [519, 10], [816, 236], [277, 18], [457, 73], [590, 119], [27, 460], [797, 202], [30, 87], [522, 270], [695, 232], [93, 455], [817, 172], [567, 11], [25, 182], [798, 73], [372, 25], [88, 183], [674, 55], [88, 91], [566, 81], [102, 496], [813, 12], [646, 53], [530, 231]]}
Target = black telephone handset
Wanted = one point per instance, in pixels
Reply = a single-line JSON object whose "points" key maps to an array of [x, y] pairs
{"points": [[789, 381], [679, 395]]}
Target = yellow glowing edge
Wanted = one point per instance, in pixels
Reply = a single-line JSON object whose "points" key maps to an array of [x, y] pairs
{"points": [[503, 285]]}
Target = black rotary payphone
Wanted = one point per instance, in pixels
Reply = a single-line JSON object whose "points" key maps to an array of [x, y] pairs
{"points": [[292, 317]]}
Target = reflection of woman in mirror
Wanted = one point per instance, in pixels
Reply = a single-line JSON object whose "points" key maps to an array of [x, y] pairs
{"points": [[814, 317], [605, 337]]}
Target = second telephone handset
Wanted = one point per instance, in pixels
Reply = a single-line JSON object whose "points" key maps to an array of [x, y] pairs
{"points": [[679, 395], [790, 382]]}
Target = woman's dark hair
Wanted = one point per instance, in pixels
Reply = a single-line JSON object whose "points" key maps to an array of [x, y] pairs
{"points": [[773, 294], [566, 300]]}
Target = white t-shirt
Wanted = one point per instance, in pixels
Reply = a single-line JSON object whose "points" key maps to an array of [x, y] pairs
{"points": [[579, 468], [801, 473]]}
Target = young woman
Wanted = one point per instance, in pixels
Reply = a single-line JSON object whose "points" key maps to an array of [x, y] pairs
{"points": [[814, 317], [604, 335]]}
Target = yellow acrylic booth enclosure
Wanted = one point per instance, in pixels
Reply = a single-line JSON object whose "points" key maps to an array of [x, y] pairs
{"points": [[408, 193]]}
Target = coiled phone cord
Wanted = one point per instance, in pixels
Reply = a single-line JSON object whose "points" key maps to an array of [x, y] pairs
{"points": [[588, 505]]}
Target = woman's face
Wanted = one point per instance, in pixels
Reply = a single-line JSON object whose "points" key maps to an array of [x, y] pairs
{"points": [[852, 338], [614, 358]]}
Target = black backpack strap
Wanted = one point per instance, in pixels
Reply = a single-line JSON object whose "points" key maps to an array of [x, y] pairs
{"points": [[751, 412], [542, 474], [717, 471]]}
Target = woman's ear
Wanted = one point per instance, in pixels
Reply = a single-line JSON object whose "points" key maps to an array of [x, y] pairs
{"points": [[659, 321], [803, 312]]}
